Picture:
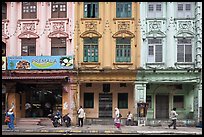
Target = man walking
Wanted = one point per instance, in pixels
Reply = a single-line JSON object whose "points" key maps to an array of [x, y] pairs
{"points": [[173, 116]]}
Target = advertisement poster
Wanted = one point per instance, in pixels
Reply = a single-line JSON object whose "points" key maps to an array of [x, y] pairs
{"points": [[40, 62], [3, 63]]}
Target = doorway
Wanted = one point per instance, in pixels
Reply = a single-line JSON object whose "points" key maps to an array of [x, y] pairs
{"points": [[162, 106], [42, 99], [105, 105]]}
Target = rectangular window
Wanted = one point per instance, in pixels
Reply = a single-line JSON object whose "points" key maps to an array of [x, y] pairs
{"points": [[88, 84], [184, 50], [58, 46], [4, 11], [154, 50], [123, 9], [28, 47], [59, 9], [91, 9], [90, 49], [149, 101], [154, 10], [185, 9], [88, 100], [123, 50], [29, 10], [122, 100], [123, 85], [3, 49], [178, 101]]}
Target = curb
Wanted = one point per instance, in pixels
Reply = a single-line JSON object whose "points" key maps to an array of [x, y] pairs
{"points": [[104, 132]]}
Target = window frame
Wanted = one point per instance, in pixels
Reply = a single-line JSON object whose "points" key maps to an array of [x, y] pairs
{"points": [[4, 10], [91, 56], [3, 49], [123, 100], [90, 96], [154, 13], [29, 45], [123, 50], [185, 56], [149, 102], [156, 54], [58, 46], [27, 10], [91, 9], [178, 100], [56, 8], [123, 13], [184, 13]]}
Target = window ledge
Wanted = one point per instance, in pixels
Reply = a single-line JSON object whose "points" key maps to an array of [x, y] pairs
{"points": [[184, 63], [5, 20], [28, 20], [57, 19], [90, 63], [155, 18], [122, 63], [123, 18], [155, 63], [90, 19], [184, 18]]}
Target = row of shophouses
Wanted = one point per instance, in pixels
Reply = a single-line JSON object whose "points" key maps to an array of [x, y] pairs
{"points": [[102, 55]]}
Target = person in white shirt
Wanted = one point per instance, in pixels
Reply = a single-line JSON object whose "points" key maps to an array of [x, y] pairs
{"points": [[81, 115], [129, 118], [173, 116]]}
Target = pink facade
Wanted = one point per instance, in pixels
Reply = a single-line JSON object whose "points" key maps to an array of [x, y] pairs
{"points": [[43, 28]]}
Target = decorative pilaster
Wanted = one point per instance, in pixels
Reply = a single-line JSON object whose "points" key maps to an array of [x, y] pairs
{"points": [[69, 101]]}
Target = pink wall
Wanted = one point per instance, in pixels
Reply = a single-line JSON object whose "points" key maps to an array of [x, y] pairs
{"points": [[41, 28]]}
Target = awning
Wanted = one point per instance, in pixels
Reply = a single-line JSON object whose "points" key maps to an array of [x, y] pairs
{"points": [[37, 77]]}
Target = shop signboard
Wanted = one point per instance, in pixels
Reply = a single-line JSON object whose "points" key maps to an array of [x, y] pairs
{"points": [[39, 62]]}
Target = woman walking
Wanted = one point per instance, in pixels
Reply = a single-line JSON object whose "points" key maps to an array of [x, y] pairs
{"points": [[117, 118], [10, 114]]}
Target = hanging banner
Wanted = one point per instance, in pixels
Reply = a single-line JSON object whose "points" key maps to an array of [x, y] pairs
{"points": [[40, 62], [3, 63]]}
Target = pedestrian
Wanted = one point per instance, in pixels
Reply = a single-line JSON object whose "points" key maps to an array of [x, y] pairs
{"points": [[117, 118], [28, 108], [129, 119], [67, 120], [81, 116], [11, 116], [173, 116], [58, 114]]}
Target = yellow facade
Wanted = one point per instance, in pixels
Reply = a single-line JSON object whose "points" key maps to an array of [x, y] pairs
{"points": [[106, 28]]}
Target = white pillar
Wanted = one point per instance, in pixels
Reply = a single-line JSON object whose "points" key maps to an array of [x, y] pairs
{"points": [[140, 97], [42, 47], [170, 48], [12, 29]]}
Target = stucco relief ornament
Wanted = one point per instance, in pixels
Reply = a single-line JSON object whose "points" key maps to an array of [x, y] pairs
{"points": [[91, 25], [184, 25], [155, 26], [123, 25], [28, 26], [58, 26]]}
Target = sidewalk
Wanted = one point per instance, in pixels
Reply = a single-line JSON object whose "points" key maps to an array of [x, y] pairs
{"points": [[106, 129]]}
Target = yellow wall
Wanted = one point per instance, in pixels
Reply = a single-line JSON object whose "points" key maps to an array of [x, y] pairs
{"points": [[115, 89], [107, 25], [107, 28]]}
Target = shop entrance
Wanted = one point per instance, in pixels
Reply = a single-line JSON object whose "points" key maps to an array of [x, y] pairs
{"points": [[162, 106], [42, 99], [105, 105]]}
